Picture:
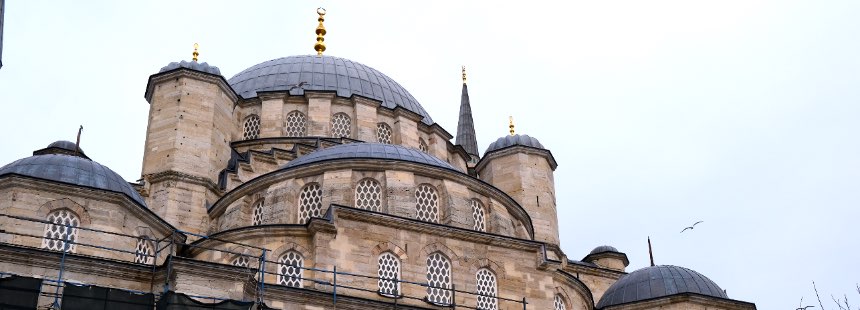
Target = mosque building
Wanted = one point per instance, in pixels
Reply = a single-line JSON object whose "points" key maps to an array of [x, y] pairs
{"points": [[308, 182]]}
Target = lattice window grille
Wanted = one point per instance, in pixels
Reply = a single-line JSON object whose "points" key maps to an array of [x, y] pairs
{"points": [[340, 125], [252, 127], [438, 279], [144, 252], [241, 261], [423, 145], [383, 133], [55, 236], [486, 283], [479, 215], [427, 203], [559, 303], [310, 202], [389, 275], [257, 214], [290, 269], [368, 195], [296, 125]]}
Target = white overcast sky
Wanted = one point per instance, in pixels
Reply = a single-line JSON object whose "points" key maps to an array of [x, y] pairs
{"points": [[743, 114]]}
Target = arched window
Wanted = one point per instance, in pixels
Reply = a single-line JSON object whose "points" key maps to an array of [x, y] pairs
{"points": [[257, 213], [438, 279], [383, 133], [486, 288], [423, 145], [290, 269], [389, 274], [479, 215], [310, 202], [63, 229], [340, 125], [252, 127], [559, 303], [241, 261], [296, 125], [368, 195], [427, 203], [144, 252]]}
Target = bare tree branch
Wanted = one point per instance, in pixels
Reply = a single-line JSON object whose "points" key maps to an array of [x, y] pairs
{"points": [[816, 295], [846, 302], [838, 304]]}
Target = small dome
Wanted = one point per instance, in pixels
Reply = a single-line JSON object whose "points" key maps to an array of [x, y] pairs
{"points": [[325, 73], [71, 170], [370, 150], [193, 65], [604, 248], [507, 141], [66, 145], [658, 281]]}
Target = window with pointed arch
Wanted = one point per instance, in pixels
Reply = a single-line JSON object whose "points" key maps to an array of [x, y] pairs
{"points": [[251, 127], [144, 252], [389, 275], [423, 145], [341, 125], [439, 279], [61, 232], [241, 261], [368, 195], [290, 269], [310, 202], [427, 203], [257, 213], [479, 215], [383, 133], [486, 289], [559, 302], [296, 124]]}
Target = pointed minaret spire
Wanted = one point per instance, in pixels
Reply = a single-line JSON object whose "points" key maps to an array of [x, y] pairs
{"points": [[466, 125]]}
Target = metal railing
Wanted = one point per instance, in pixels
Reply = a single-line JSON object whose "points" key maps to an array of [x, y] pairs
{"points": [[260, 268]]}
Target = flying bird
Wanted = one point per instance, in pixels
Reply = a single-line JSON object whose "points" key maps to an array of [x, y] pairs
{"points": [[691, 227]]}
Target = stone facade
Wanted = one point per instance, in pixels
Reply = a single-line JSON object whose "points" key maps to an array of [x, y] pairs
{"points": [[229, 219]]}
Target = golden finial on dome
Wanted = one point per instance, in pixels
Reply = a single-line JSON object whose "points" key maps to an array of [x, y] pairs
{"points": [[320, 46], [511, 124], [195, 54], [464, 74]]}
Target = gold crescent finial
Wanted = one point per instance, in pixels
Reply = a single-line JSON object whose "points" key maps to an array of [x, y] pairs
{"points": [[464, 74], [195, 54], [320, 46], [511, 124]]}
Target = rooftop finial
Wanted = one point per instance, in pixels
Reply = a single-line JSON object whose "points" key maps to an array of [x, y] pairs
{"points": [[195, 54], [464, 74], [650, 253], [511, 124], [320, 46], [78, 141]]}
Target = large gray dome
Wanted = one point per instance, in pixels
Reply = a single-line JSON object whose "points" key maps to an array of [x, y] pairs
{"points": [[324, 73], [370, 150], [658, 281], [72, 170]]}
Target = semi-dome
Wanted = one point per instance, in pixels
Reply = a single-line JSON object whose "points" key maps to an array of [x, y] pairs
{"points": [[193, 65], [604, 248], [72, 170], [324, 73], [372, 151], [517, 139], [658, 281]]}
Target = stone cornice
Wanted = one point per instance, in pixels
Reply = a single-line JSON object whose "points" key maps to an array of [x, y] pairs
{"points": [[597, 271], [180, 176], [435, 128], [75, 263], [314, 226], [142, 212], [516, 149], [694, 298], [189, 73], [616, 255], [263, 181]]}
